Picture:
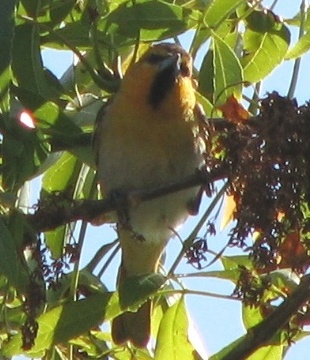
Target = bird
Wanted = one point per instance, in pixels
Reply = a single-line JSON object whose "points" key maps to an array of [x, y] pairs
{"points": [[148, 136]]}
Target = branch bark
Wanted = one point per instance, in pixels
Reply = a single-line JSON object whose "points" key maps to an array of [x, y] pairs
{"points": [[261, 334], [58, 213]]}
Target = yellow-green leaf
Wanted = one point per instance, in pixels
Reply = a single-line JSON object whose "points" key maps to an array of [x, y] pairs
{"points": [[172, 339], [266, 41]]}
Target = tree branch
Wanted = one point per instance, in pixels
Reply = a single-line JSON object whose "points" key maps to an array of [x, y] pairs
{"points": [[261, 334], [58, 212]]}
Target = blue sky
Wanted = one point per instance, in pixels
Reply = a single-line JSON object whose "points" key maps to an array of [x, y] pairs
{"points": [[218, 321]]}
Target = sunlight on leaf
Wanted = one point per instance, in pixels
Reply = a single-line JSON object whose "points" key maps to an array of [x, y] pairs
{"points": [[266, 41], [172, 340]]}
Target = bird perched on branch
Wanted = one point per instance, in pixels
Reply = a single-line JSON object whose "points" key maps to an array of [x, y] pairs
{"points": [[147, 137]]}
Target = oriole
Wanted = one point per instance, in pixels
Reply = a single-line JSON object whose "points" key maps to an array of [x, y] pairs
{"points": [[148, 137]]}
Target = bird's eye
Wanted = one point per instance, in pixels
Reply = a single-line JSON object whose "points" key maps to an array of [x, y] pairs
{"points": [[185, 71]]}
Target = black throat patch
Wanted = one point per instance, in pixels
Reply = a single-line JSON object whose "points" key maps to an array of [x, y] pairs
{"points": [[162, 84]]}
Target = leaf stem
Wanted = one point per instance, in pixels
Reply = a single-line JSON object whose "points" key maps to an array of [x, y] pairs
{"points": [[195, 292]]}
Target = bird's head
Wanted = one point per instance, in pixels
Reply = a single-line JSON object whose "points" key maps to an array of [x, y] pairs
{"points": [[161, 79]]}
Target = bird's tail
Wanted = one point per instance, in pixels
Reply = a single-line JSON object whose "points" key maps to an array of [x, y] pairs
{"points": [[138, 258], [133, 326]]}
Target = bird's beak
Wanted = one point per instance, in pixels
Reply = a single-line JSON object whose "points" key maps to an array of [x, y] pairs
{"points": [[172, 62]]}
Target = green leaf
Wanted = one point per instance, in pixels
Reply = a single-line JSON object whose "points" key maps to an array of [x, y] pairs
{"points": [[301, 17], [51, 120], [209, 109], [266, 41], [6, 38], [206, 76], [228, 75], [28, 68], [60, 9], [251, 316], [150, 20], [134, 289], [75, 33], [62, 176], [300, 48], [58, 176], [223, 352], [65, 322], [55, 240], [172, 340], [271, 352], [32, 7], [220, 10], [234, 262], [232, 275]]}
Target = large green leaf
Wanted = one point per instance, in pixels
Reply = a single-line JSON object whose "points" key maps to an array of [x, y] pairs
{"points": [[228, 75], [28, 68], [266, 41], [172, 340]]}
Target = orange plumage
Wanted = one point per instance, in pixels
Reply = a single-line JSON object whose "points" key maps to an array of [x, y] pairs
{"points": [[149, 137]]}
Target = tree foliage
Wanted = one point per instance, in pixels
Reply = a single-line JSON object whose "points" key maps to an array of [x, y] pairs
{"points": [[50, 306]]}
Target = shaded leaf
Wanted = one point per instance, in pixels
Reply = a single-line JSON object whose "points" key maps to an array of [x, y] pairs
{"points": [[206, 76], [76, 33], [28, 69], [136, 288], [32, 7], [60, 9], [150, 20]]}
